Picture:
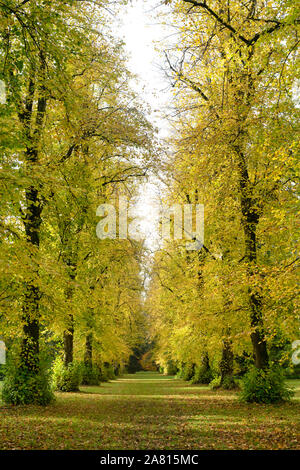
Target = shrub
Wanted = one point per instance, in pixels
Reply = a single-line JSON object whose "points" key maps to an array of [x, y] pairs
{"points": [[265, 386], [179, 373], [215, 383], [103, 375], [107, 373], [90, 374], [24, 387], [202, 375], [66, 378], [117, 370], [188, 371], [229, 383], [133, 365], [243, 362]]}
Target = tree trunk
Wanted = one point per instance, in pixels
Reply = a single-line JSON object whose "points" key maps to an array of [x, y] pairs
{"points": [[205, 361], [259, 344], [30, 317], [88, 355], [32, 221], [226, 364], [69, 332], [68, 342], [250, 219]]}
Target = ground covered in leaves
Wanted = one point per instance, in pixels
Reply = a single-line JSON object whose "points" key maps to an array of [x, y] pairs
{"points": [[149, 411]]}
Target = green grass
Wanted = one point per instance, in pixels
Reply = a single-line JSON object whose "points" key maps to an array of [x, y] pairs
{"points": [[150, 411]]}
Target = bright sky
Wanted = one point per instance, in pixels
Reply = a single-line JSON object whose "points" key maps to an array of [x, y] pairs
{"points": [[141, 29]]}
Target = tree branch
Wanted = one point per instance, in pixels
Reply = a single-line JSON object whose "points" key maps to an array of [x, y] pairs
{"points": [[219, 19]]}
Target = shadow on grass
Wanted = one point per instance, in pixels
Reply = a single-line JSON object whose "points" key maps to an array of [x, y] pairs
{"points": [[150, 414]]}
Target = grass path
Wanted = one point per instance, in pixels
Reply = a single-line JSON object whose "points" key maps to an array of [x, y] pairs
{"points": [[149, 411]]}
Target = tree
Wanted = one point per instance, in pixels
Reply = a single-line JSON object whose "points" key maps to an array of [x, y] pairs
{"points": [[80, 137], [233, 71]]}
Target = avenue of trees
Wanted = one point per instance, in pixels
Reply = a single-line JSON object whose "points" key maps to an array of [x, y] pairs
{"points": [[74, 135]]}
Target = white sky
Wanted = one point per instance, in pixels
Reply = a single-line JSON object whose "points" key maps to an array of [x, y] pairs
{"points": [[141, 30]]}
